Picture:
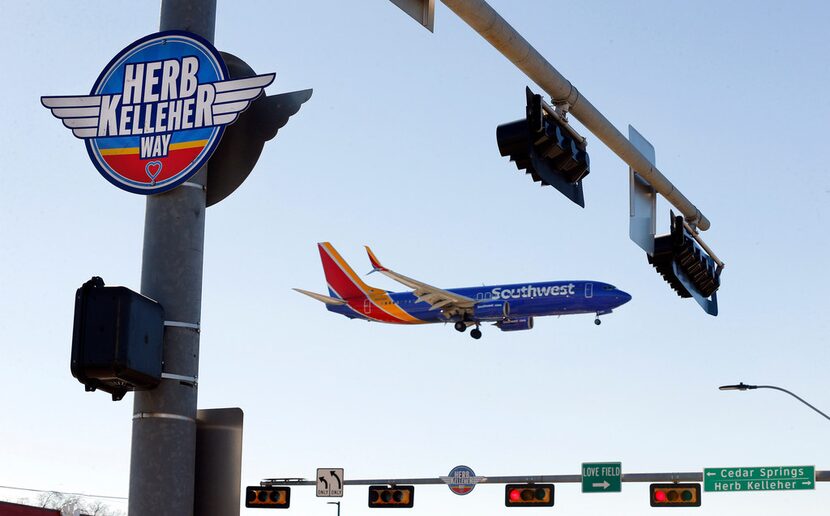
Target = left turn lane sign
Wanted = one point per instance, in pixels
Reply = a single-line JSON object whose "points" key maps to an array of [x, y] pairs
{"points": [[329, 481]]}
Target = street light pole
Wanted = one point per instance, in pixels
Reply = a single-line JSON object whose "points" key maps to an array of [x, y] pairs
{"points": [[338, 506], [743, 387]]}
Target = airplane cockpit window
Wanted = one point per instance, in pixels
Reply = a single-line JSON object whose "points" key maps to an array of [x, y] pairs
{"points": [[609, 287]]}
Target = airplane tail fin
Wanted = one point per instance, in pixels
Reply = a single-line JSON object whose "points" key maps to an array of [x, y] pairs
{"points": [[343, 282]]}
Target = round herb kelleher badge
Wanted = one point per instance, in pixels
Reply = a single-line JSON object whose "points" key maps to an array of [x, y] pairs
{"points": [[157, 111]]}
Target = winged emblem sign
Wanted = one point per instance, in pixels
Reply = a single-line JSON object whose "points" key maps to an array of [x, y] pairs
{"points": [[157, 111]]}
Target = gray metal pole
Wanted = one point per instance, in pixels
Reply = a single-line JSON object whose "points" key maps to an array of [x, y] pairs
{"points": [[338, 506], [491, 26], [162, 460], [799, 398], [743, 387]]}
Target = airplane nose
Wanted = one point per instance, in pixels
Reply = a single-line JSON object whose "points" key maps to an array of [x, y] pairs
{"points": [[624, 297]]}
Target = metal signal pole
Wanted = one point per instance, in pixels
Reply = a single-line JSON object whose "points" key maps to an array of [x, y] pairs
{"points": [[163, 455]]}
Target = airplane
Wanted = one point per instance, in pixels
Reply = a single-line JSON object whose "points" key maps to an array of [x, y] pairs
{"points": [[509, 307]]}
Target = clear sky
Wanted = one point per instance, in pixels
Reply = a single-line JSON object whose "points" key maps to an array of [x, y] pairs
{"points": [[397, 149]]}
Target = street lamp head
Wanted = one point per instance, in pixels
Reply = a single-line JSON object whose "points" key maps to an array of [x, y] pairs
{"points": [[740, 387]]}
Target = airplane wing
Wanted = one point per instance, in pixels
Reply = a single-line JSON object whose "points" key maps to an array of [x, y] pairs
{"points": [[448, 302]]}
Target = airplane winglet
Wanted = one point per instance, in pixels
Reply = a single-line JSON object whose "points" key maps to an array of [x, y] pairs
{"points": [[376, 266]]}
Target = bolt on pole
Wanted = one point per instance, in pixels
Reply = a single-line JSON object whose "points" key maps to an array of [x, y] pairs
{"points": [[491, 26], [163, 454]]}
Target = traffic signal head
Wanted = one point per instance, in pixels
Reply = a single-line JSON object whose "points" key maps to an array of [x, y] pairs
{"points": [[689, 270], [267, 497], [543, 145], [674, 495], [528, 495], [397, 496]]}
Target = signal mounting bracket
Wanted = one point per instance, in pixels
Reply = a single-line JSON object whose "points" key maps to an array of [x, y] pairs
{"points": [[560, 113], [693, 231], [192, 381], [562, 107]]}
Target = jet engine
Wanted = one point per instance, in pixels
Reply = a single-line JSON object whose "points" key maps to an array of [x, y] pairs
{"points": [[491, 310], [522, 323]]}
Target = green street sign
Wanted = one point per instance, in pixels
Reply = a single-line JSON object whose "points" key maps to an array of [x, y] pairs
{"points": [[601, 477], [768, 478]]}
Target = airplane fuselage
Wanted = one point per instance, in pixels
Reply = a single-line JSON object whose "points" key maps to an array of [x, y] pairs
{"points": [[510, 307], [495, 303]]}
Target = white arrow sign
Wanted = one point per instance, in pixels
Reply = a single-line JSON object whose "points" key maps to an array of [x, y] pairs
{"points": [[329, 481]]}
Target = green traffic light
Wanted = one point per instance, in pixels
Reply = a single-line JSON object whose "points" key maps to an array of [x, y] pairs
{"points": [[686, 496]]}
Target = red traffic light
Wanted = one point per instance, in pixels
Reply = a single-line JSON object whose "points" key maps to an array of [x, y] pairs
{"points": [[528, 495], [397, 496], [674, 495], [258, 497]]}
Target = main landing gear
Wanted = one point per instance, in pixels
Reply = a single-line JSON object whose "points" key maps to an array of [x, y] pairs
{"points": [[461, 326]]}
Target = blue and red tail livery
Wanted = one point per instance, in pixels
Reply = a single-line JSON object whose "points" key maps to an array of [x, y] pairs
{"points": [[509, 307]]}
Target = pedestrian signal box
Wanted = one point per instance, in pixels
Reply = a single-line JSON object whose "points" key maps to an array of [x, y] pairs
{"points": [[117, 339]]}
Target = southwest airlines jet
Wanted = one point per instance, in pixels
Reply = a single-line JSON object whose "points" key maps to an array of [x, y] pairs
{"points": [[510, 307]]}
